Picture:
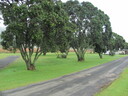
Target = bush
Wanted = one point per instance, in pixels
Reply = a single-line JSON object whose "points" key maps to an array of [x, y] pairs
{"points": [[111, 53], [62, 55]]}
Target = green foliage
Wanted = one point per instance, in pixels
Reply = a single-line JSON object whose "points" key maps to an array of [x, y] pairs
{"points": [[126, 45], [116, 43], [80, 40], [32, 24], [92, 27], [64, 31], [100, 28], [60, 40]]}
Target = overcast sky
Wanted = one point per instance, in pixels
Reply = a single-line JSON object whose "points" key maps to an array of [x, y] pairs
{"points": [[117, 10], [2, 27]]}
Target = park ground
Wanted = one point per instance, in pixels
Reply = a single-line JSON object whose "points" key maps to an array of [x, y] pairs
{"points": [[118, 88], [48, 67]]}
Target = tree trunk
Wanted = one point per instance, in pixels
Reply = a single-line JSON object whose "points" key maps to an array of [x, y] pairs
{"points": [[100, 55], [31, 67], [80, 57], [28, 55], [80, 54], [44, 53]]}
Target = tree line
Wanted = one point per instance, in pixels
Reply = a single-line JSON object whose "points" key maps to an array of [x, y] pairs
{"points": [[54, 26]]}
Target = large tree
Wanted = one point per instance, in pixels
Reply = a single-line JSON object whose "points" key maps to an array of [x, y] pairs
{"points": [[31, 27], [62, 28], [64, 33], [80, 40], [92, 27], [100, 27]]}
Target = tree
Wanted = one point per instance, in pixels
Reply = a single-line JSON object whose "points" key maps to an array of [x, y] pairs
{"points": [[126, 45], [63, 40], [64, 32], [80, 40], [100, 27], [93, 28], [31, 26], [116, 43]]}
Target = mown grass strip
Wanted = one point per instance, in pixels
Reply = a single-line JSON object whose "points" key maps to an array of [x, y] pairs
{"points": [[118, 88]]}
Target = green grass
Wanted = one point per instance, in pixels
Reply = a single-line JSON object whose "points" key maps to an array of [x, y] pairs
{"points": [[118, 87], [3, 55], [48, 67]]}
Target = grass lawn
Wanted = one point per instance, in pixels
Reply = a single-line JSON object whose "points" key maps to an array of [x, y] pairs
{"points": [[3, 55], [118, 87], [48, 67]]}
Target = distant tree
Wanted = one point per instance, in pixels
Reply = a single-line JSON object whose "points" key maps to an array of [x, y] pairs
{"points": [[80, 40], [116, 43], [126, 45], [0, 39], [31, 24], [119, 42]]}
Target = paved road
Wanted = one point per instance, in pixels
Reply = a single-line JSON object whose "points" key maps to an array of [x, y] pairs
{"points": [[4, 62], [84, 83]]}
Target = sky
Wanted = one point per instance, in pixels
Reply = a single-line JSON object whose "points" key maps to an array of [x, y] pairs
{"points": [[117, 10], [2, 27]]}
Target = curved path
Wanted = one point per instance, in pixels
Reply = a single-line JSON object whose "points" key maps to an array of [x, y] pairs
{"points": [[4, 62], [84, 83]]}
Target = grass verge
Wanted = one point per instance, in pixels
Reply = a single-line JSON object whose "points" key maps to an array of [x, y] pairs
{"points": [[118, 87], [48, 67], [4, 55]]}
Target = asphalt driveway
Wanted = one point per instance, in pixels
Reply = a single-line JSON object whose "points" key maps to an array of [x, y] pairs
{"points": [[4, 62]]}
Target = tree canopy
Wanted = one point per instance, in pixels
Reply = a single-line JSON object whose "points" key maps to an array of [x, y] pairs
{"points": [[32, 26], [40, 26], [80, 40], [93, 27], [116, 43], [100, 28]]}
